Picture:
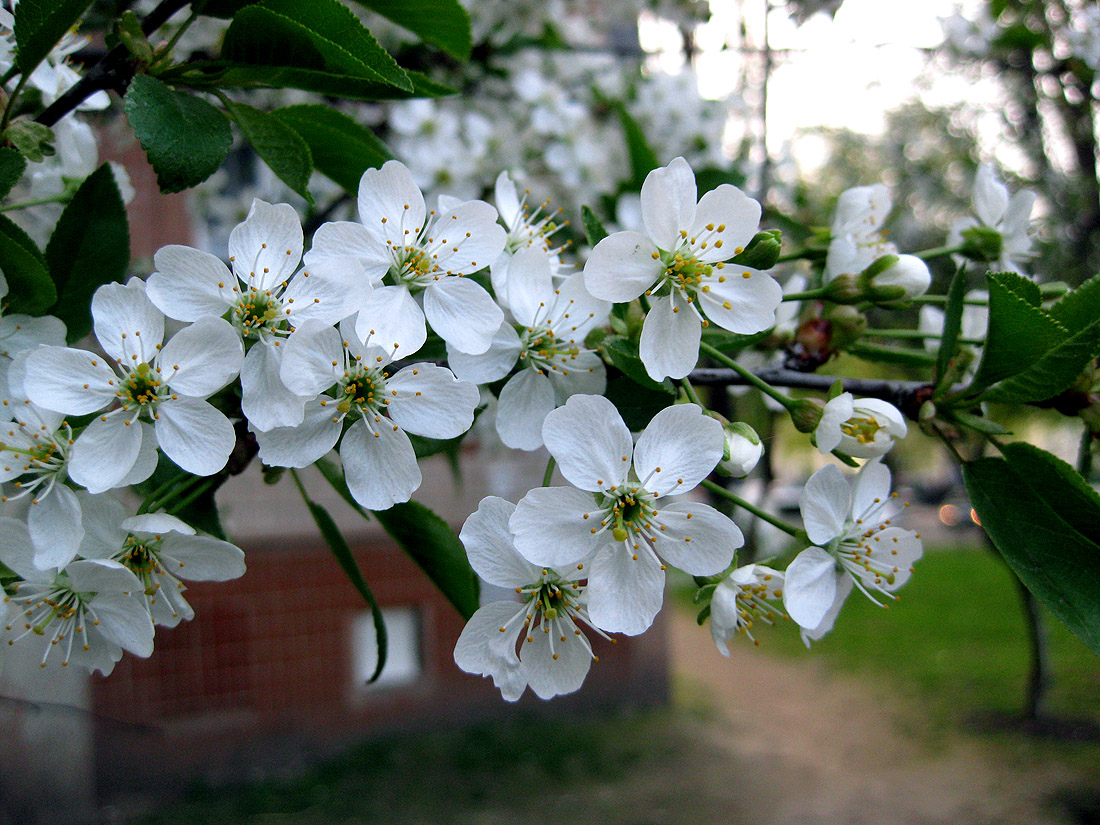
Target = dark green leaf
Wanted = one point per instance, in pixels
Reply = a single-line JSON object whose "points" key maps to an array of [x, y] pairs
{"points": [[594, 229], [30, 288], [952, 324], [346, 559], [12, 166], [1079, 308], [443, 23], [218, 74], [636, 404], [1052, 373], [623, 353], [1026, 505], [643, 159], [278, 145], [433, 545], [322, 35], [731, 343], [184, 137], [1022, 287], [90, 247], [39, 25], [1020, 333], [342, 149]]}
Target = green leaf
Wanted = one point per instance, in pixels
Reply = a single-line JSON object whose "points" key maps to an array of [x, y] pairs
{"points": [[322, 35], [643, 159], [1020, 333], [1043, 520], [218, 74], [433, 545], [623, 354], [278, 145], [90, 247], [12, 166], [30, 288], [636, 404], [342, 149], [1079, 308], [1052, 373], [952, 325], [39, 25], [346, 559], [594, 229], [442, 23], [184, 137], [1022, 287]]}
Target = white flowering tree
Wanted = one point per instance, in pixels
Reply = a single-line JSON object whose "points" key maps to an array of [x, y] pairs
{"points": [[377, 334]]}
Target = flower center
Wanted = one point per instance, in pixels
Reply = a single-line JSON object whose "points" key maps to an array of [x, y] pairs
{"points": [[414, 267], [544, 352], [629, 512], [861, 429], [256, 313], [142, 388], [362, 392]]}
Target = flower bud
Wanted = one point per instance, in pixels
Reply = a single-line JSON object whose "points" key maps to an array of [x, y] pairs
{"points": [[762, 251], [742, 450], [859, 427], [844, 289], [806, 414], [895, 278], [848, 325], [981, 243]]}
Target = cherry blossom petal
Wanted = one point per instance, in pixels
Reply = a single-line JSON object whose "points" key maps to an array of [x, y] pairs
{"points": [[201, 358], [585, 374], [380, 466], [671, 332], [195, 435], [741, 304], [625, 590], [340, 239], [990, 196], [102, 517], [530, 285], [123, 620], [622, 266], [468, 238], [189, 284], [312, 359], [825, 503], [148, 456], [70, 381], [484, 650], [55, 525], [462, 313], [576, 311], [679, 448], [17, 551], [556, 526], [201, 558], [428, 400], [668, 203], [105, 452], [21, 332], [491, 365], [265, 400], [266, 247], [524, 403], [329, 290], [300, 446], [810, 587], [554, 658], [488, 542], [843, 588], [838, 410], [733, 218], [590, 442], [696, 538], [390, 203], [870, 489], [392, 320], [897, 548], [126, 322]]}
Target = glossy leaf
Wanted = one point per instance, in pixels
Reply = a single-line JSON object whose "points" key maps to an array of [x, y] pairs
{"points": [[30, 288], [278, 145], [1052, 373], [90, 247], [341, 148], [184, 137], [221, 74], [1079, 308], [442, 23], [12, 166], [39, 25], [636, 404], [623, 353]]}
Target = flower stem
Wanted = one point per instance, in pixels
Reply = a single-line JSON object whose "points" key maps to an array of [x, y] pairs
{"points": [[916, 333], [549, 472], [166, 52], [937, 252], [808, 295], [8, 207], [690, 392], [733, 498], [751, 379]]}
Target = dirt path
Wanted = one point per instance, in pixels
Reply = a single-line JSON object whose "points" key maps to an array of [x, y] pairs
{"points": [[824, 748]]}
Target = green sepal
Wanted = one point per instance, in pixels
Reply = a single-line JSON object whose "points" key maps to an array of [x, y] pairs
{"points": [[594, 230], [762, 251]]}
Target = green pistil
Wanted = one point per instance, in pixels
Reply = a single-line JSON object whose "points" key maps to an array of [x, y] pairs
{"points": [[141, 388], [256, 312], [363, 392]]}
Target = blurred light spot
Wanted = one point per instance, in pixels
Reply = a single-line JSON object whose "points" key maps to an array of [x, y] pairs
{"points": [[974, 517], [949, 515]]}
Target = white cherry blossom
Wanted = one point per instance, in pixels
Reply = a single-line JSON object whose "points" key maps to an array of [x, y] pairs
{"points": [[742, 599], [349, 382], [155, 391], [855, 544], [610, 520], [419, 256], [1010, 216], [554, 654], [680, 262], [857, 237], [547, 343], [860, 427], [527, 228]]}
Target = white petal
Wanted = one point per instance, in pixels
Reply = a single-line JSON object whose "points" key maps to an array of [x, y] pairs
{"points": [[105, 453], [392, 320], [102, 576], [491, 365], [300, 446], [380, 467], [201, 558], [55, 527], [152, 523], [696, 538], [668, 203], [189, 284], [102, 517], [810, 587], [590, 442], [843, 588], [340, 239], [679, 448], [201, 358], [70, 381], [530, 285], [329, 290], [669, 346], [828, 434], [825, 503], [870, 489], [735, 218], [311, 359], [469, 237], [195, 435], [265, 400], [390, 202], [990, 196], [625, 593], [524, 403], [21, 332], [124, 620], [428, 400], [488, 543], [462, 313], [265, 249], [554, 658], [17, 551], [127, 323], [148, 456], [583, 374], [897, 548], [553, 526], [484, 650], [740, 304], [575, 310], [622, 267]]}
